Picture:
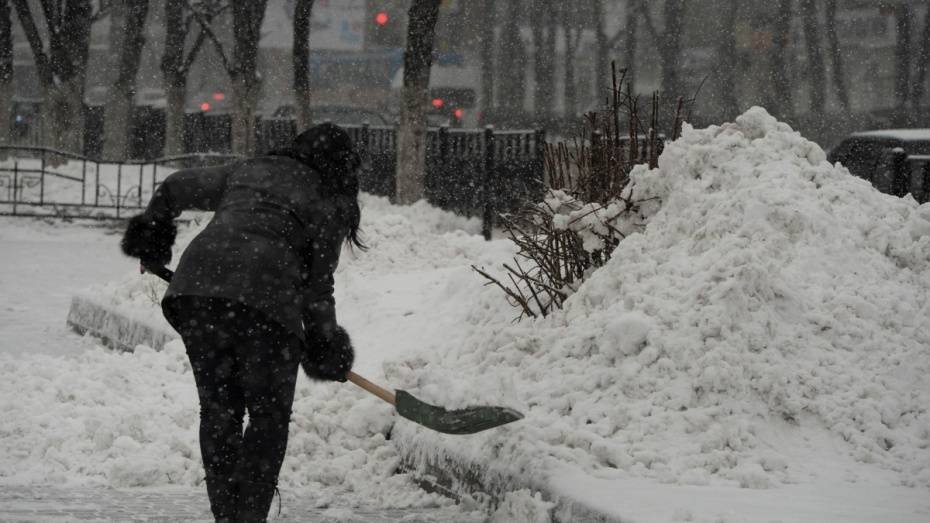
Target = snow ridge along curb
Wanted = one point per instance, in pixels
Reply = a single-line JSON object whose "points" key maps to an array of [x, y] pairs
{"points": [[434, 463]]}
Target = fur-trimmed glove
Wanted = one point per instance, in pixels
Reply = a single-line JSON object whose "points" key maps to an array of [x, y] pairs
{"points": [[328, 357], [149, 240]]}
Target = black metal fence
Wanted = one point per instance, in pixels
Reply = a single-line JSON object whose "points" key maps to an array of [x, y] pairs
{"points": [[477, 172], [38, 181]]}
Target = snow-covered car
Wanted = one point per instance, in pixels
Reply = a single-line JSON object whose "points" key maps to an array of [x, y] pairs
{"points": [[867, 154]]}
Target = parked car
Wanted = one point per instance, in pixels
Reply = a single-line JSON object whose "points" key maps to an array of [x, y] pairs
{"points": [[893, 160]]}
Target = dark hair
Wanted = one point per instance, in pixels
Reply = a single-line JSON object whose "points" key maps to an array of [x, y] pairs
{"points": [[328, 149]]}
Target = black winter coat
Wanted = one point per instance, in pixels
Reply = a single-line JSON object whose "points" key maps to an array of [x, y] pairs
{"points": [[273, 243]]}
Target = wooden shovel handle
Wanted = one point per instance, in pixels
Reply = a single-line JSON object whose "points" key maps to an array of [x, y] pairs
{"points": [[384, 394], [388, 396]]}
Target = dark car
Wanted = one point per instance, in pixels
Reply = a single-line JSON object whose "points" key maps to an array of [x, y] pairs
{"points": [[893, 160]]}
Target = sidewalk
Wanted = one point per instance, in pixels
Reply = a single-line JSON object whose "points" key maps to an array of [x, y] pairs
{"points": [[40, 504]]}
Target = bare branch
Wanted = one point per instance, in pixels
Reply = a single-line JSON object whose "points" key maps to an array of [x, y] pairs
{"points": [[206, 28]]}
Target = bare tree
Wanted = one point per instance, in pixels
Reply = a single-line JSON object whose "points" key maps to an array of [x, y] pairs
{"points": [[728, 60], [923, 61], [781, 79], [118, 110], [179, 55], [247, 23], [815, 63], [602, 49], [303, 10], [902, 52], [836, 57], [242, 69], [668, 42], [6, 72], [487, 58], [571, 33], [511, 77], [411, 135], [543, 26], [632, 26], [60, 65]]}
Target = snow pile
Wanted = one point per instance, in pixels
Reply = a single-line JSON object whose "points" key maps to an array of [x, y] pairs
{"points": [[773, 309]]}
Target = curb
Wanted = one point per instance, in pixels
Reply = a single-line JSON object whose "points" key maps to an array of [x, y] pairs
{"points": [[435, 467]]}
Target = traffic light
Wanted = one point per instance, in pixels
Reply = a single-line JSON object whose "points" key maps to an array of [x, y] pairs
{"points": [[383, 27]]}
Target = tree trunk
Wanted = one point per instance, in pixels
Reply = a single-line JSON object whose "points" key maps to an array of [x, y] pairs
{"points": [[61, 72], [670, 48], [632, 21], [247, 21], [245, 102], [781, 81], [571, 38], [6, 74], [302, 13], [836, 56], [63, 113], [511, 67], [902, 53], [728, 61], [543, 22], [119, 108], [923, 61], [487, 60], [411, 135], [601, 66], [175, 94], [815, 64]]}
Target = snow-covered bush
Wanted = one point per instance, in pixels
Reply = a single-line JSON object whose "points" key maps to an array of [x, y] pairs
{"points": [[587, 208]]}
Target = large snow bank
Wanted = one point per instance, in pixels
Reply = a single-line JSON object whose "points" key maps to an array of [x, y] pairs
{"points": [[772, 309]]}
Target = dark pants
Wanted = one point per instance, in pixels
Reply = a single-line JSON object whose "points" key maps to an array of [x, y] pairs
{"points": [[242, 362]]}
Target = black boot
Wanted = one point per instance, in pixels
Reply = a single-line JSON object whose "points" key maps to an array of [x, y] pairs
{"points": [[254, 501], [223, 493]]}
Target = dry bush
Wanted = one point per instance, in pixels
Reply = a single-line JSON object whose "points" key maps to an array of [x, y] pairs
{"points": [[587, 207]]}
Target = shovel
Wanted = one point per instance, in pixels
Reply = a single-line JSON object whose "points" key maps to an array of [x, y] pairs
{"points": [[468, 420]]}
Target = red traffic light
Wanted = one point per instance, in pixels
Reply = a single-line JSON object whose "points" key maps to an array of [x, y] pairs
{"points": [[437, 102], [458, 113], [219, 96], [205, 106], [381, 18]]}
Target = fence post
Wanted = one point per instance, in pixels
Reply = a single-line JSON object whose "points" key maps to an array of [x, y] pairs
{"points": [[97, 185], [15, 183], [443, 187], [83, 180], [119, 186], [364, 136], [539, 157], [139, 192], [42, 181], [487, 221], [900, 182]]}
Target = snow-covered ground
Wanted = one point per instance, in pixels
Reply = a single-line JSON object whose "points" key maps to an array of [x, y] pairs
{"points": [[758, 351]]}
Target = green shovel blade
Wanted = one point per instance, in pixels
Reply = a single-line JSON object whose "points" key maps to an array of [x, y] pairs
{"points": [[459, 421]]}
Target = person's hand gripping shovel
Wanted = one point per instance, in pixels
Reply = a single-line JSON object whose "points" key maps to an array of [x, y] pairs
{"points": [[468, 420]]}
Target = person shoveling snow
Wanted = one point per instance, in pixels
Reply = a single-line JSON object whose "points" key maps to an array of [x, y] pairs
{"points": [[253, 299]]}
